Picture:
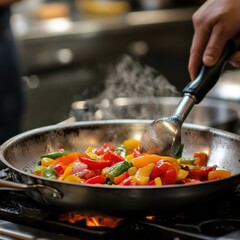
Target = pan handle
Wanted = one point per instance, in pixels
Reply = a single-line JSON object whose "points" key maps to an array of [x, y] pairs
{"points": [[13, 186]]}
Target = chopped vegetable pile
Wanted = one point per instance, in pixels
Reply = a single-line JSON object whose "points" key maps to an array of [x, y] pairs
{"points": [[125, 165]]}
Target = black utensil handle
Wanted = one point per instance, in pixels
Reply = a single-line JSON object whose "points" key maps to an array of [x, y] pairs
{"points": [[208, 76]]}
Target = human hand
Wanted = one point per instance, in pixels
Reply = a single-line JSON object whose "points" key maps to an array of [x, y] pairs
{"points": [[235, 59], [215, 22]]}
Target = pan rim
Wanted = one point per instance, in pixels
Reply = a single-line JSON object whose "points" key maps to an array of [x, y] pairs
{"points": [[46, 129]]}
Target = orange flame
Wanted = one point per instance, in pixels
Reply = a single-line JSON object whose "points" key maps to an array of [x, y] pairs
{"points": [[91, 221], [151, 218]]}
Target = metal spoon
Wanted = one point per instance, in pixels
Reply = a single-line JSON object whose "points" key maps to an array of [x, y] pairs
{"points": [[163, 136]]}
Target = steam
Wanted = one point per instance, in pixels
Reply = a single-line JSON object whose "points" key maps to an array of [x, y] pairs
{"points": [[131, 91], [129, 78]]}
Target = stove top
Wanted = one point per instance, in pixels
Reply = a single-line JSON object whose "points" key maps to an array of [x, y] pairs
{"points": [[219, 220]]}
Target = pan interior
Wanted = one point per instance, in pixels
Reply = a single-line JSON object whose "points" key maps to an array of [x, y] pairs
{"points": [[23, 151]]}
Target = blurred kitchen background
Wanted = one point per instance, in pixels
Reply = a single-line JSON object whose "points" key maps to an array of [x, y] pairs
{"points": [[66, 47]]}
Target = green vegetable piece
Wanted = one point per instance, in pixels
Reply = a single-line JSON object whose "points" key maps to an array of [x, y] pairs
{"points": [[190, 161], [50, 173], [122, 150], [53, 177], [118, 168], [180, 151], [54, 155], [39, 168]]}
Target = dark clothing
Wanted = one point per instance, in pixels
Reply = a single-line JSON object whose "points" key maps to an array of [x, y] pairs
{"points": [[10, 80]]}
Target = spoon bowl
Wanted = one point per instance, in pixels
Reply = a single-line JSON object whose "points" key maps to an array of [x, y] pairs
{"points": [[166, 129]]}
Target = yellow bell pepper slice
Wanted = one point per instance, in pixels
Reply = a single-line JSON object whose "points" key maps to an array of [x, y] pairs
{"points": [[131, 144], [182, 174], [129, 157], [144, 160], [72, 178], [68, 171], [90, 153], [142, 175], [46, 161], [158, 181], [132, 171]]}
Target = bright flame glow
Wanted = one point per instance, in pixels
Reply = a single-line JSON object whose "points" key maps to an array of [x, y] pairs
{"points": [[91, 221]]}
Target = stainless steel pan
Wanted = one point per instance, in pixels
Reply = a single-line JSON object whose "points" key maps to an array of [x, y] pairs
{"points": [[21, 154]]}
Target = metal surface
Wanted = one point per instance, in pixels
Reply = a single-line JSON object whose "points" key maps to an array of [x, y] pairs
{"points": [[13, 231], [228, 87], [163, 136], [210, 112], [21, 155]]}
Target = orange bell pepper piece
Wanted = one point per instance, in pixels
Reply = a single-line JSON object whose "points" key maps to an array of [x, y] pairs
{"points": [[219, 173], [201, 158], [145, 159], [66, 160], [120, 178]]}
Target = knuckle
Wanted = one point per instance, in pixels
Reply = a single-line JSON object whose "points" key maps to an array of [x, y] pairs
{"points": [[197, 19]]}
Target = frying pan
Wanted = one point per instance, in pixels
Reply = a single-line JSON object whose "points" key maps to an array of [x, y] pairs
{"points": [[21, 154]]}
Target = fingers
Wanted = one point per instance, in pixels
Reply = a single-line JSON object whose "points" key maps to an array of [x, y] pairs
{"points": [[208, 42], [215, 22], [235, 60], [202, 33], [196, 53], [215, 46], [199, 43]]}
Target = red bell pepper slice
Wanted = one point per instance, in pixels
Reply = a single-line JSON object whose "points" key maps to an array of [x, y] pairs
{"points": [[109, 147], [160, 168], [96, 179], [202, 173], [127, 182], [170, 176], [189, 180], [136, 153], [114, 158], [105, 148], [95, 164], [59, 169], [151, 183]]}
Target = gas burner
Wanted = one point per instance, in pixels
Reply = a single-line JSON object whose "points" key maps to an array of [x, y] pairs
{"points": [[219, 227]]}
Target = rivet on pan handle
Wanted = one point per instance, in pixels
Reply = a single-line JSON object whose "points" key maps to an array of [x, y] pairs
{"points": [[7, 185]]}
